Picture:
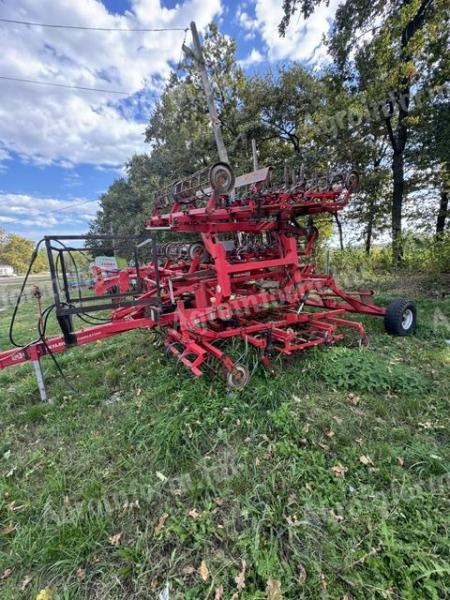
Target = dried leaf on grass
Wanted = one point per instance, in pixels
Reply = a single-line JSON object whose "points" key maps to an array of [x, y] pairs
{"points": [[25, 583], [8, 529], [353, 399], [219, 593], [162, 520], [301, 573], [273, 590], [240, 578], [115, 539], [188, 570], [203, 571], [7, 573], [339, 470]]}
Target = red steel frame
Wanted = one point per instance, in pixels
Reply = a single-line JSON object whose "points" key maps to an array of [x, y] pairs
{"points": [[266, 293]]}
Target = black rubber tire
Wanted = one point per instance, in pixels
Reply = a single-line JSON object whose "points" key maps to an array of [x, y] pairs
{"points": [[395, 322]]}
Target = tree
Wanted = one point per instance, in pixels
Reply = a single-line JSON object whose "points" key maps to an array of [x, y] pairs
{"points": [[380, 47], [278, 112], [430, 154], [16, 251], [296, 119], [121, 214]]}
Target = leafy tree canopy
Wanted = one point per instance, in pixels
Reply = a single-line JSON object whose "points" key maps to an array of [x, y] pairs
{"points": [[16, 252]]}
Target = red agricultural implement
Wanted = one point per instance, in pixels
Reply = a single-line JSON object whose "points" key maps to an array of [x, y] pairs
{"points": [[247, 273]]}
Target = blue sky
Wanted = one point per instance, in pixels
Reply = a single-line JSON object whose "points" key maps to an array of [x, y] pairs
{"points": [[60, 148]]}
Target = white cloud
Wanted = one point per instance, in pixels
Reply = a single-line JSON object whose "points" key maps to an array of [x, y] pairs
{"points": [[303, 39], [253, 58], [48, 125], [3, 154], [245, 20], [72, 179], [21, 211]]}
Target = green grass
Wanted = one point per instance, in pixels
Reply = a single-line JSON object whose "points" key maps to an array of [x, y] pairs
{"points": [[186, 472]]}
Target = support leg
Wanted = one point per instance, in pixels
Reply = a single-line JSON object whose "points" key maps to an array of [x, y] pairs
{"points": [[40, 379]]}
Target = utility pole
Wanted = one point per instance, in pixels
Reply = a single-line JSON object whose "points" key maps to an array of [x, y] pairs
{"points": [[197, 55]]}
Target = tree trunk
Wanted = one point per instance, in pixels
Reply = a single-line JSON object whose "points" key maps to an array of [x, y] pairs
{"points": [[399, 139], [370, 223], [339, 226], [368, 242], [442, 215], [398, 142], [397, 202]]}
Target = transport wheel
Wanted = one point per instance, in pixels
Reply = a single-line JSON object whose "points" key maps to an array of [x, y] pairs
{"points": [[400, 317], [196, 249], [221, 178], [238, 378]]}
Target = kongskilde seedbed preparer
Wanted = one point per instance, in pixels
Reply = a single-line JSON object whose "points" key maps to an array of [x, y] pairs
{"points": [[247, 273]]}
